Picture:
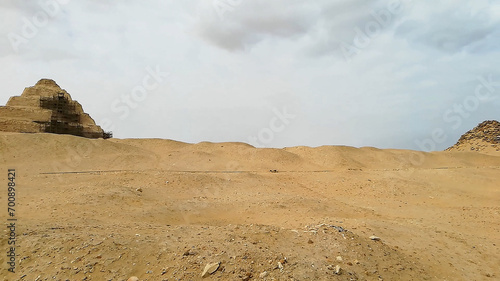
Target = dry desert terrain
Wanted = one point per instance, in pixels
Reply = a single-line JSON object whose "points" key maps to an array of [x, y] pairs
{"points": [[94, 209]]}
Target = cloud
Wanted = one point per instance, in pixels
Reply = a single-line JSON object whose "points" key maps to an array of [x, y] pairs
{"points": [[470, 27], [324, 25], [251, 22]]}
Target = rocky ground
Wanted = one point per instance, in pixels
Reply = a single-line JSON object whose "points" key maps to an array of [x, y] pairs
{"points": [[241, 252]]}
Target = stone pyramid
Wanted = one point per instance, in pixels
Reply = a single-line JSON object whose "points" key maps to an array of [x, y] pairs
{"points": [[485, 136], [46, 108]]}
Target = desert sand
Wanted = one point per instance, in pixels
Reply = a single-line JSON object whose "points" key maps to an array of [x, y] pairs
{"points": [[94, 209]]}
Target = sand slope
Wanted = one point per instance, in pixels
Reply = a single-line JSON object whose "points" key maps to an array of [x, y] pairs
{"points": [[161, 210]]}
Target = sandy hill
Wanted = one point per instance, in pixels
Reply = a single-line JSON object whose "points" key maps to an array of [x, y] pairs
{"points": [[45, 107], [95, 209], [485, 138]]}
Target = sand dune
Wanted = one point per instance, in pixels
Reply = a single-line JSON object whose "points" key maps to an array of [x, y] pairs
{"points": [[161, 210]]}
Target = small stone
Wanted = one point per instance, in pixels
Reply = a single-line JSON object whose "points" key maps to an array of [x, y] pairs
{"points": [[139, 189], [189, 253], [263, 275], [133, 278], [339, 228], [356, 261], [280, 266], [210, 269], [310, 241], [374, 238], [247, 277], [338, 270], [339, 258]]}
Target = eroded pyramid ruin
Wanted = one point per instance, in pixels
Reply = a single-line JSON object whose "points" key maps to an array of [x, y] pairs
{"points": [[485, 136], [46, 108]]}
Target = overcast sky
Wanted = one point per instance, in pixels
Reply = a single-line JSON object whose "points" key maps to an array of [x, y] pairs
{"points": [[390, 74]]}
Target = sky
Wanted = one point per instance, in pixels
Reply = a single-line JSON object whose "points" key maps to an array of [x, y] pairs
{"points": [[389, 74]]}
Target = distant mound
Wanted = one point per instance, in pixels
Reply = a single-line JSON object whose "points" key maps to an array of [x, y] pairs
{"points": [[484, 137], [46, 108]]}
